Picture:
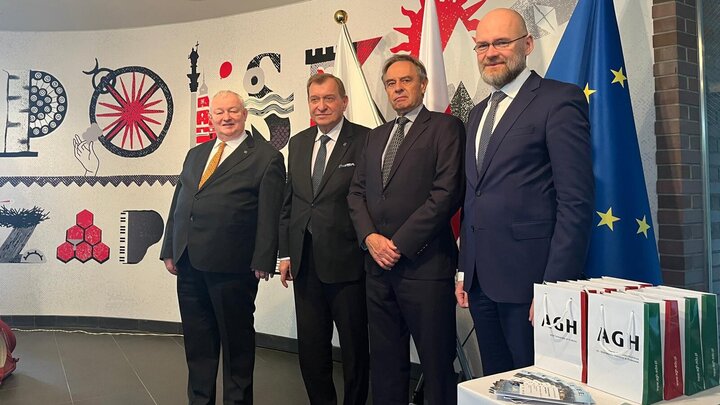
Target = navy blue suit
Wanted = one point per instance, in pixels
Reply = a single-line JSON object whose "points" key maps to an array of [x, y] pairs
{"points": [[527, 213]]}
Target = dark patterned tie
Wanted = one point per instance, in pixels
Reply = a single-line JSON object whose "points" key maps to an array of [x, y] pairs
{"points": [[319, 167], [487, 128], [392, 149]]}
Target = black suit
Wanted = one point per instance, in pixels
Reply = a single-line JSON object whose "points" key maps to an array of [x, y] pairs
{"points": [[327, 265], [217, 235], [416, 296]]}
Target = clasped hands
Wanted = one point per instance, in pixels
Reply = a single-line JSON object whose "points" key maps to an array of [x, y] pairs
{"points": [[382, 250]]}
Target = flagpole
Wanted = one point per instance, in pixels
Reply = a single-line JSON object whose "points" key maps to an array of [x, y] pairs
{"points": [[356, 80], [705, 148]]}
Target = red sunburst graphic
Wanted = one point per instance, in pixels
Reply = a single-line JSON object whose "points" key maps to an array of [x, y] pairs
{"points": [[132, 112], [449, 13]]}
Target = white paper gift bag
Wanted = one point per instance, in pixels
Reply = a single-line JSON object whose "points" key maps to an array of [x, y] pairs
{"points": [[558, 331], [624, 347]]}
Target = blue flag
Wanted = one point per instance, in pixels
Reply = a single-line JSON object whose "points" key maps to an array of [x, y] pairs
{"points": [[590, 55]]}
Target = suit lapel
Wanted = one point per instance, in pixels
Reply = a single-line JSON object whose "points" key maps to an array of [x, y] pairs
{"points": [[517, 106], [418, 127], [383, 135], [242, 152], [201, 161], [341, 146], [470, 149], [305, 145]]}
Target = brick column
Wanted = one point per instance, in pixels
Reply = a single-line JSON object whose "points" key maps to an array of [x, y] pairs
{"points": [[680, 231]]}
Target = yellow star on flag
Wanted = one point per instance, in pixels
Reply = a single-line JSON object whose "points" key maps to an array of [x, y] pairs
{"points": [[619, 76], [588, 91], [642, 226], [607, 218]]}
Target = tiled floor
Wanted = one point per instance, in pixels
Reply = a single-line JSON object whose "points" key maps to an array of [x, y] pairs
{"points": [[60, 368]]}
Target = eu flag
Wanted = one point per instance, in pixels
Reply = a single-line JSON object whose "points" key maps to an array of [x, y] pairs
{"points": [[590, 55]]}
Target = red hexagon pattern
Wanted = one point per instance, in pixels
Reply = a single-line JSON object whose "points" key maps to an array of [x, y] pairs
{"points": [[83, 241]]}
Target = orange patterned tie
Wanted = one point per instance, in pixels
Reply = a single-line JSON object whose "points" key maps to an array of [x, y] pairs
{"points": [[214, 162]]}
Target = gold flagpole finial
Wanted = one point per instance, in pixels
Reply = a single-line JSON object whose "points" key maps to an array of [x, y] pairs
{"points": [[341, 17]]}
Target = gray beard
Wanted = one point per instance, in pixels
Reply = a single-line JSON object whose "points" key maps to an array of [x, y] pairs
{"points": [[499, 80]]}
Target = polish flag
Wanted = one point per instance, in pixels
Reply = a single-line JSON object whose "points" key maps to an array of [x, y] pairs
{"points": [[361, 108], [431, 55]]}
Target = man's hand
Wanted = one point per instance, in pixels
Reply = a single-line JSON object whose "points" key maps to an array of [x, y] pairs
{"points": [[460, 295], [285, 274], [170, 266], [531, 317], [382, 250], [262, 275]]}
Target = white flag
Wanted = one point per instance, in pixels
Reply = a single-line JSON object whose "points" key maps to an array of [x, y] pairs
{"points": [[361, 108], [431, 55]]}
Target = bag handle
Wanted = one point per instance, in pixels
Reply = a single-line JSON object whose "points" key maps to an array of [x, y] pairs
{"points": [[630, 333], [551, 325]]}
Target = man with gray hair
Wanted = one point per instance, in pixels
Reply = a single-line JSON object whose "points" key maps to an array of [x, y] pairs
{"points": [[220, 239], [407, 186]]}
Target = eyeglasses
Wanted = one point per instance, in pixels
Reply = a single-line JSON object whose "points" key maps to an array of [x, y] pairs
{"points": [[482, 47]]}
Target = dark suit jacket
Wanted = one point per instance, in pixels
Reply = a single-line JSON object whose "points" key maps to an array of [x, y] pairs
{"points": [[230, 224], [528, 211], [423, 192], [338, 258]]}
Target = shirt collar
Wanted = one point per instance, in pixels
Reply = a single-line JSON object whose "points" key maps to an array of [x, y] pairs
{"points": [[333, 133], [511, 89], [233, 143], [412, 114]]}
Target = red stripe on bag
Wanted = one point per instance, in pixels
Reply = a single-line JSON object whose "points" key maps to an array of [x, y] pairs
{"points": [[673, 370]]}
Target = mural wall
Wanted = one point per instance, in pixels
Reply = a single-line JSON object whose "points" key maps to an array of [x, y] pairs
{"points": [[94, 127]]}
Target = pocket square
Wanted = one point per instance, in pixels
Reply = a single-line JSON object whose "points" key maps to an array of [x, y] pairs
{"points": [[346, 165]]}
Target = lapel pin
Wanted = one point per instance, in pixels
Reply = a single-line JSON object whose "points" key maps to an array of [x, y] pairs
{"points": [[344, 143]]}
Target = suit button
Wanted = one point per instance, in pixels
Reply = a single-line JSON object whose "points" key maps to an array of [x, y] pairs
{"points": [[473, 228], [191, 218], [478, 193], [312, 205]]}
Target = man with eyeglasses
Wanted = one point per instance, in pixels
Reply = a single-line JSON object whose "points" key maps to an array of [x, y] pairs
{"points": [[407, 186], [220, 239], [529, 192]]}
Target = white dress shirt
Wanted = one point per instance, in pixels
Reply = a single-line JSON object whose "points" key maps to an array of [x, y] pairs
{"points": [[230, 147], [334, 134], [412, 116], [511, 90]]}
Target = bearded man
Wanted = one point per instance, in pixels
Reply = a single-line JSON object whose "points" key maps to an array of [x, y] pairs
{"points": [[529, 192]]}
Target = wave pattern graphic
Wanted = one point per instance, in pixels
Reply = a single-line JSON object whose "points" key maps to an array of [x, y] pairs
{"points": [[272, 97], [271, 108], [272, 102], [116, 181]]}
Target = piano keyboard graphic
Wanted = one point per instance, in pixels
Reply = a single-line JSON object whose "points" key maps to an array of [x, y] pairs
{"points": [[138, 231]]}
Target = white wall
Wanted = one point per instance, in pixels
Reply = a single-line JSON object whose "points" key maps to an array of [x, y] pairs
{"points": [[145, 290]]}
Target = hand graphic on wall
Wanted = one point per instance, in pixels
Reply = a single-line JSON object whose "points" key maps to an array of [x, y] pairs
{"points": [[85, 154], [84, 149]]}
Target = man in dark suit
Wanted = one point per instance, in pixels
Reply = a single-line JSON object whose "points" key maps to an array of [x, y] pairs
{"points": [[318, 247], [529, 192], [406, 188], [221, 237]]}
